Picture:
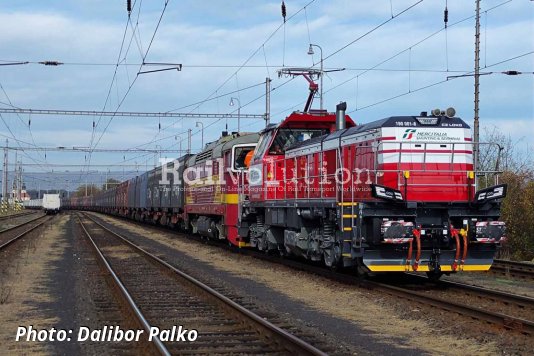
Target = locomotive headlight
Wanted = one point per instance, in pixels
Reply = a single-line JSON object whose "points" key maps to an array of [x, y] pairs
{"points": [[397, 231], [490, 231]]}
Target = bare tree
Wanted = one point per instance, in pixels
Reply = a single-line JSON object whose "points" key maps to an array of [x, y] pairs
{"points": [[517, 166], [89, 189], [503, 153]]}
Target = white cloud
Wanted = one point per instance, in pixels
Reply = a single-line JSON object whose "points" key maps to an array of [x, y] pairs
{"points": [[214, 32]]}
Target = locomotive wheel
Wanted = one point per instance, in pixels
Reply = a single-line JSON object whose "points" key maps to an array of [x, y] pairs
{"points": [[332, 257], [262, 244], [433, 275], [282, 251]]}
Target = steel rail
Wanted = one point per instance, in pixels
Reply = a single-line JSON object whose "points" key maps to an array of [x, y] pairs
{"points": [[20, 225], [9, 242], [522, 265], [496, 295], [282, 337], [137, 312], [506, 321], [513, 268], [158, 344], [499, 319], [492, 293], [17, 215]]}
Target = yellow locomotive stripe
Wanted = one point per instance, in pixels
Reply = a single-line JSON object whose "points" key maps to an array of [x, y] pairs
{"points": [[231, 198], [349, 216], [476, 267], [347, 203], [424, 268], [347, 229], [243, 244], [391, 268]]}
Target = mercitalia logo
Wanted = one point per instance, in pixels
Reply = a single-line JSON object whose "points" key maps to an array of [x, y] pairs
{"points": [[408, 134]]}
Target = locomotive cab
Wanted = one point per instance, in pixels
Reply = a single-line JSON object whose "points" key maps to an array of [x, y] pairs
{"points": [[267, 164]]}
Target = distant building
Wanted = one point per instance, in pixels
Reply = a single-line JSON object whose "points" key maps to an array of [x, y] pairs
{"points": [[24, 196]]}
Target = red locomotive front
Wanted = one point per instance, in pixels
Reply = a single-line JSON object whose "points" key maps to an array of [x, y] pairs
{"points": [[397, 194]]}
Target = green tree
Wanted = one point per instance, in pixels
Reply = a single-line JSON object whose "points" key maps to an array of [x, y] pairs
{"points": [[86, 190], [518, 213], [110, 183]]}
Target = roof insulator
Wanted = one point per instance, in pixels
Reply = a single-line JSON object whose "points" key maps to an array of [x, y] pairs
{"points": [[511, 72], [51, 63]]}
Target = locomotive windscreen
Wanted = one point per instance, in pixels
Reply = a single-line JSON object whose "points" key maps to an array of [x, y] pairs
{"points": [[287, 137]]}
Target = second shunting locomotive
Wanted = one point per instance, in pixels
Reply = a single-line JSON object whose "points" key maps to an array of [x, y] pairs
{"points": [[397, 194]]}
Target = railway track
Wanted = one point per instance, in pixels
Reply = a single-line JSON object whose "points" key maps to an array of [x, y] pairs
{"points": [[515, 311], [519, 270], [17, 215], [161, 296], [503, 320], [476, 311], [10, 235], [506, 298]]}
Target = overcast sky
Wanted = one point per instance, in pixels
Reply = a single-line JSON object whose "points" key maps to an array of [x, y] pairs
{"points": [[214, 39]]}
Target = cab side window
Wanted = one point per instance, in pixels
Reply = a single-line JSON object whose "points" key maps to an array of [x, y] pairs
{"points": [[265, 139], [240, 155]]}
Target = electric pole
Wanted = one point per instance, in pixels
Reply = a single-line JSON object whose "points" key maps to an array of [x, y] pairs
{"points": [[15, 180], [189, 141], [267, 101], [19, 185], [4, 175], [476, 148]]}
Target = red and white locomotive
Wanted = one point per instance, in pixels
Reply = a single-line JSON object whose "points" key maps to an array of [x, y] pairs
{"points": [[397, 194]]}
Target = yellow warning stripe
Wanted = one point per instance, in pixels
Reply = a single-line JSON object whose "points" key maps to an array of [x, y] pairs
{"points": [[424, 268], [349, 216], [347, 229], [476, 267], [393, 268], [243, 244], [218, 199], [231, 198], [347, 203]]}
